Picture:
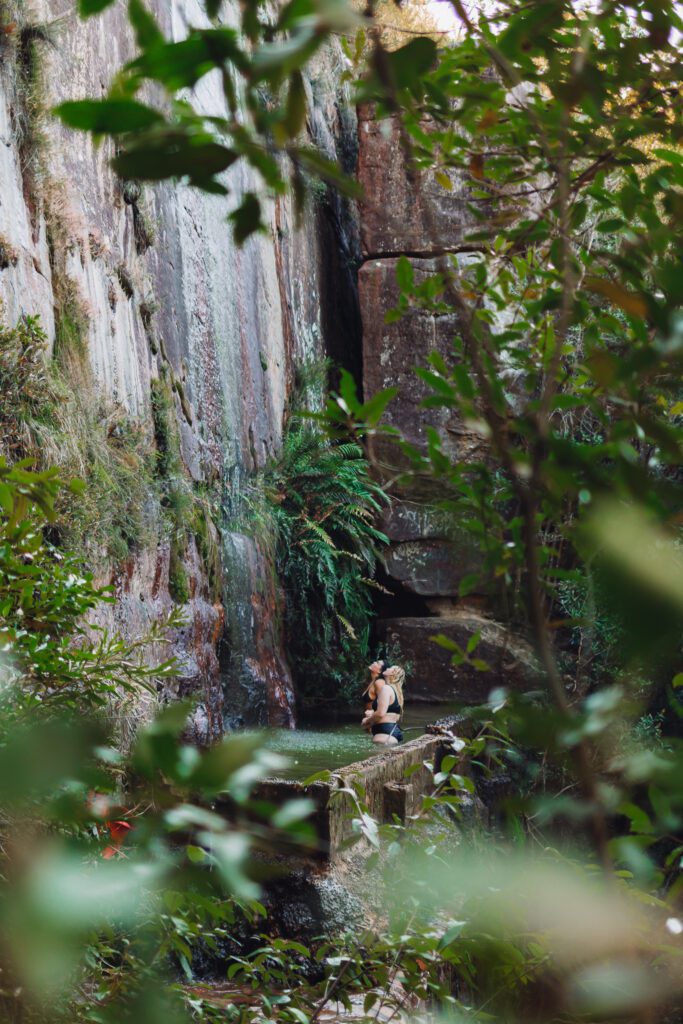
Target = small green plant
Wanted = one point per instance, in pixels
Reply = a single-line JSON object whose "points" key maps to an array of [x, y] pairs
{"points": [[9, 257], [135, 480], [178, 584], [71, 326]]}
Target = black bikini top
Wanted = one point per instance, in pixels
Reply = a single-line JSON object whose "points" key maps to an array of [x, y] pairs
{"points": [[393, 709]]}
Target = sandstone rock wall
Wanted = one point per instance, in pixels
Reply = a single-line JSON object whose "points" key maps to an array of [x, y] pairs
{"points": [[410, 214], [165, 290]]}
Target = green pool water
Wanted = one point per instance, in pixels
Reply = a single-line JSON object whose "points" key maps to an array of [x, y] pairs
{"points": [[313, 749]]}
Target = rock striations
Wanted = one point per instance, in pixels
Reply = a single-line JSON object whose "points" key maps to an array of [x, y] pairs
{"points": [[164, 294], [404, 214]]}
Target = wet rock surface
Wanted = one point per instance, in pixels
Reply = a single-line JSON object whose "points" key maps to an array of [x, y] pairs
{"points": [[257, 682], [142, 598], [304, 906], [404, 212], [164, 290], [509, 658], [407, 214]]}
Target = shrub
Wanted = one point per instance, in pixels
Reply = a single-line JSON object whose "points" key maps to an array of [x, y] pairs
{"points": [[55, 661], [48, 418], [323, 503]]}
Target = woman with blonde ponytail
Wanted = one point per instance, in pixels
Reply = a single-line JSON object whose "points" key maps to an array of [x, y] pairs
{"points": [[387, 707]]}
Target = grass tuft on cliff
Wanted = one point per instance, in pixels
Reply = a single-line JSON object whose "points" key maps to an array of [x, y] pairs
{"points": [[45, 418]]}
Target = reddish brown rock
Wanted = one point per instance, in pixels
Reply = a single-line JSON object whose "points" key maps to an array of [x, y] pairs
{"points": [[434, 679], [431, 567], [403, 213], [258, 687], [142, 598], [392, 351], [413, 520]]}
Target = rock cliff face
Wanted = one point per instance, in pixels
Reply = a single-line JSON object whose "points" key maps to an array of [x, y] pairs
{"points": [[195, 342], [413, 216], [164, 295]]}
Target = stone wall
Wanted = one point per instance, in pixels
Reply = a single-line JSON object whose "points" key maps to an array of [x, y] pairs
{"points": [[410, 214], [382, 784], [164, 290]]}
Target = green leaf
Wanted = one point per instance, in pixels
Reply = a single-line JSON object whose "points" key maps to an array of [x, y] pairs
{"points": [[468, 583], [445, 641], [293, 811], [147, 32], [223, 760], [273, 60], [246, 219], [640, 821], [322, 776], [195, 854], [88, 7], [473, 642], [108, 117], [297, 1014], [670, 155], [452, 933], [295, 113], [181, 65], [171, 153], [6, 499], [349, 394], [404, 274], [372, 411], [436, 382], [410, 62], [369, 1001]]}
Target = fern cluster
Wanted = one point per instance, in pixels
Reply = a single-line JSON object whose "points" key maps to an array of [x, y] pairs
{"points": [[323, 506]]}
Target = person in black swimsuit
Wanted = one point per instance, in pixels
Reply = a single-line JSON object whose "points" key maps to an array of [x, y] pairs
{"points": [[387, 707], [376, 669]]}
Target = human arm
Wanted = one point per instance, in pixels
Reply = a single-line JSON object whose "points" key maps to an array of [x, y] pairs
{"points": [[383, 702]]}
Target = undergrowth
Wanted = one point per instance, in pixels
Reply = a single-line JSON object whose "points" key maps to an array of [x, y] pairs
{"points": [[59, 420], [188, 508], [136, 488], [318, 503]]}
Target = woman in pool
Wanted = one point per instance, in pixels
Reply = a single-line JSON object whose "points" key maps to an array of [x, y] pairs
{"points": [[387, 706], [375, 670]]}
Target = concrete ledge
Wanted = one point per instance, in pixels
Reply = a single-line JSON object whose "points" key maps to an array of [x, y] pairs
{"points": [[383, 783]]}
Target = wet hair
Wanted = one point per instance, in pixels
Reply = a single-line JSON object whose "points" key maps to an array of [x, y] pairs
{"points": [[397, 684]]}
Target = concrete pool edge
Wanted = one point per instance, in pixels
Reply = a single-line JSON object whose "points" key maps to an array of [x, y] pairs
{"points": [[387, 791]]}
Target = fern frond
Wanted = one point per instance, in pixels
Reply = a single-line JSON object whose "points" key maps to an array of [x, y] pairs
{"points": [[347, 627], [374, 585]]}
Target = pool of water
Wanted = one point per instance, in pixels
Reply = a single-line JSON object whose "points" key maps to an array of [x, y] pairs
{"points": [[314, 748]]}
